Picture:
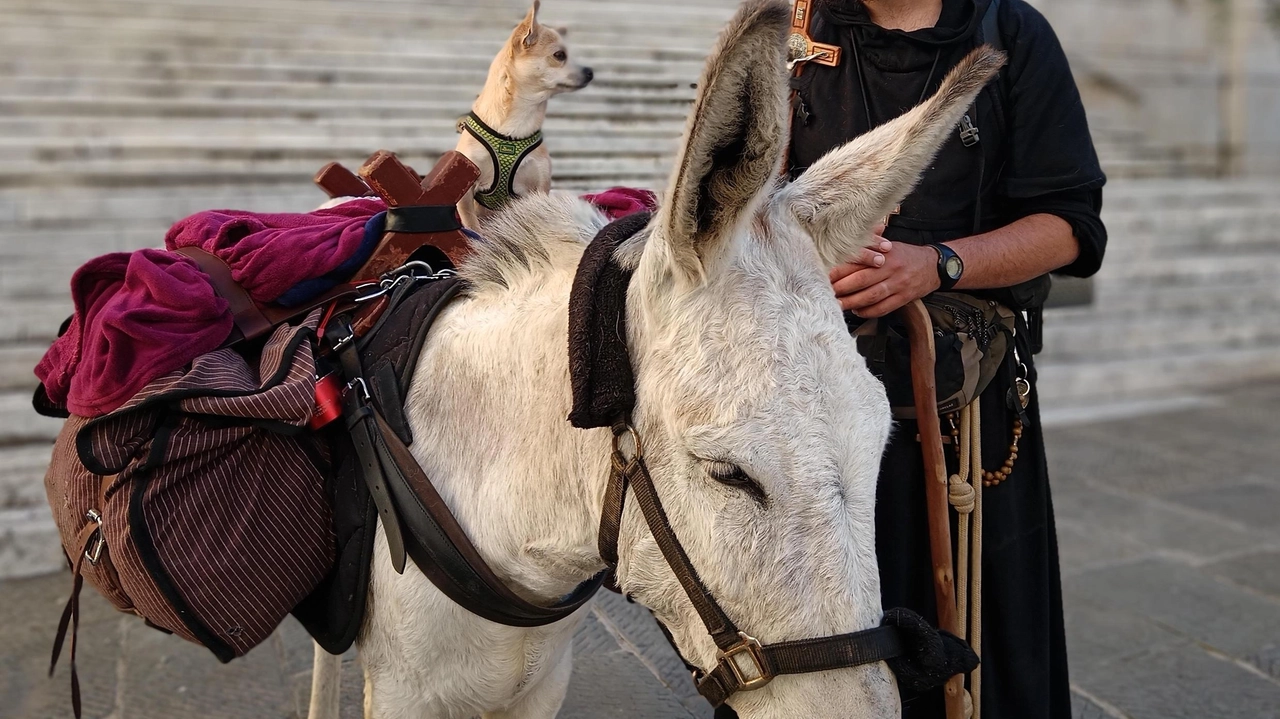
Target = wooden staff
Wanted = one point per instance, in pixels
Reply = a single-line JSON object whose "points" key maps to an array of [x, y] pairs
{"points": [[920, 335]]}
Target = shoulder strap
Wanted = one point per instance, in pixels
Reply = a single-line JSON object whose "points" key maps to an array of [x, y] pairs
{"points": [[991, 26], [997, 90]]}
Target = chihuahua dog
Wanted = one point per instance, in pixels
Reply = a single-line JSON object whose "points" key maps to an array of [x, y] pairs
{"points": [[503, 133]]}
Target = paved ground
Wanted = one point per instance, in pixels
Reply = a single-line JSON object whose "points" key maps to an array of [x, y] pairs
{"points": [[1170, 549]]}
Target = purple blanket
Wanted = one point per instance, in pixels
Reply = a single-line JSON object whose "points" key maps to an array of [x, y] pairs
{"points": [[141, 315]]}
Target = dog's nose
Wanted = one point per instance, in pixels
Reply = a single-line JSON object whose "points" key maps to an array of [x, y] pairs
{"points": [[588, 75]]}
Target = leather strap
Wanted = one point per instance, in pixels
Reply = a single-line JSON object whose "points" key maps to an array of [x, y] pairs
{"points": [[444, 553], [249, 319], [88, 536], [428, 219], [805, 656], [744, 663], [424, 527], [359, 417]]}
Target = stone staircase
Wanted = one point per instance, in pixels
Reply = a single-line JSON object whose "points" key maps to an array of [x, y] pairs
{"points": [[119, 117], [1187, 298]]}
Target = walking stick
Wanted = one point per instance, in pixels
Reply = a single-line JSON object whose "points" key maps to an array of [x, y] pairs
{"points": [[920, 335]]}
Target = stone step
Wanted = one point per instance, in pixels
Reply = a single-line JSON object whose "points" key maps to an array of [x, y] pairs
{"points": [[16, 364], [1209, 269], [588, 37], [378, 133], [1073, 384], [585, 177], [22, 481], [384, 17], [451, 89], [29, 543], [300, 146], [471, 75], [305, 111], [31, 320], [1108, 337], [19, 423]]}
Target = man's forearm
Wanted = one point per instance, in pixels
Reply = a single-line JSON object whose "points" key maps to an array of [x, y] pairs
{"points": [[1015, 253]]}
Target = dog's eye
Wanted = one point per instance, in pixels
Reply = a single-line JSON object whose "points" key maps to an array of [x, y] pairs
{"points": [[732, 475], [561, 55]]}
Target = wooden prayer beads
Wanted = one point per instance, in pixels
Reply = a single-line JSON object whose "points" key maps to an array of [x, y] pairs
{"points": [[991, 479]]}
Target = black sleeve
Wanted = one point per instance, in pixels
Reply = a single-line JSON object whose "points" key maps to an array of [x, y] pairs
{"points": [[1051, 165], [1049, 146], [1082, 210]]}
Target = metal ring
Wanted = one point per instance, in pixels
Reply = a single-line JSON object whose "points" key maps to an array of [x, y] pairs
{"points": [[619, 431]]}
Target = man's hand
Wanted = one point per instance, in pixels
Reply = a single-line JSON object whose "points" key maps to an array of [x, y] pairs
{"points": [[874, 284]]}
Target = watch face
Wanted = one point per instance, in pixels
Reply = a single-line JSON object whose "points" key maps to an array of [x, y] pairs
{"points": [[954, 267]]}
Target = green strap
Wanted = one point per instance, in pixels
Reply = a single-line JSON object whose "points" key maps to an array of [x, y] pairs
{"points": [[507, 154]]}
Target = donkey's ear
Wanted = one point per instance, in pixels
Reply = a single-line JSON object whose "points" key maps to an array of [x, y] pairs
{"points": [[735, 137], [527, 30], [844, 194]]}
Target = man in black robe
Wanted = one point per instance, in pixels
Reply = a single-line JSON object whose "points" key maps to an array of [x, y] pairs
{"points": [[1022, 201]]}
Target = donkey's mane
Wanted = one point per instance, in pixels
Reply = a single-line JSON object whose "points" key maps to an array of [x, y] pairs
{"points": [[532, 235]]}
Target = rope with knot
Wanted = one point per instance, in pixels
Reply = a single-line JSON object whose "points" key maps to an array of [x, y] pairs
{"points": [[964, 492]]}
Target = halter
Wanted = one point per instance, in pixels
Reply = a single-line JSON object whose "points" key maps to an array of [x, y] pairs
{"points": [[603, 396], [744, 664], [506, 152]]}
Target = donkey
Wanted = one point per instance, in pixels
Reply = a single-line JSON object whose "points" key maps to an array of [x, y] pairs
{"points": [[761, 424]]}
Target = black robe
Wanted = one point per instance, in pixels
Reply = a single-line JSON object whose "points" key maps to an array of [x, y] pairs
{"points": [[1035, 155]]}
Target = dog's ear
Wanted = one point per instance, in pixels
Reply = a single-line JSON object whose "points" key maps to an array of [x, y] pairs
{"points": [[842, 195], [527, 30], [734, 140], [564, 31]]}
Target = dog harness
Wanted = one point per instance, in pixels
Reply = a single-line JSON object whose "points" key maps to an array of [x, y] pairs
{"points": [[506, 152]]}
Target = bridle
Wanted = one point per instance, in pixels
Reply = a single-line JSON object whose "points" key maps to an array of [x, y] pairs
{"points": [[744, 664], [605, 398]]}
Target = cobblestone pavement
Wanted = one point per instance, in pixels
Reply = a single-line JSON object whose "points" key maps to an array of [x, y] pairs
{"points": [[1171, 559]]}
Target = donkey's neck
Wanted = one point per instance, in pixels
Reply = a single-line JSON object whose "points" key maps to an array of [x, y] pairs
{"points": [[488, 409], [507, 108]]}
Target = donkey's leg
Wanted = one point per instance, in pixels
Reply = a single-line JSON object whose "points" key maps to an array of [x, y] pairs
{"points": [[326, 681], [543, 700]]}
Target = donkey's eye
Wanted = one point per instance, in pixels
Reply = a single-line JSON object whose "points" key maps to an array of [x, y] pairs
{"points": [[561, 56], [732, 475]]}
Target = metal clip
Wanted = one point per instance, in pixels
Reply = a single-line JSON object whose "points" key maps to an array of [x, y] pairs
{"points": [[94, 552], [968, 132]]}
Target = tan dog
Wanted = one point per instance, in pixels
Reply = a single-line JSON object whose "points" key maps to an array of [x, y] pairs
{"points": [[503, 133]]}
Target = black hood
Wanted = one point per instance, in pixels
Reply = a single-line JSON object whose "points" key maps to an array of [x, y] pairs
{"points": [[958, 23]]}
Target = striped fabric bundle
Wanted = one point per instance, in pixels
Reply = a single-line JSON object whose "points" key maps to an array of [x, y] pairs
{"points": [[210, 495]]}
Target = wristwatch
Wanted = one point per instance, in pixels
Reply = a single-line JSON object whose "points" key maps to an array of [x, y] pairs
{"points": [[950, 266]]}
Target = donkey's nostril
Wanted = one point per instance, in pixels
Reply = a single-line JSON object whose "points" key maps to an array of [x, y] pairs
{"points": [[587, 74]]}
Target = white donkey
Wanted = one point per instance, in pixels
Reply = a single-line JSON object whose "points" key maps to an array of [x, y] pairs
{"points": [[761, 424]]}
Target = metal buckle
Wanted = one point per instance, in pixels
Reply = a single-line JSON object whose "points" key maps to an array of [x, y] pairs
{"points": [[94, 552], [364, 388], [733, 657]]}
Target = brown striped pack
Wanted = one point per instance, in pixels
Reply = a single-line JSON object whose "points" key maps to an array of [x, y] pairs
{"points": [[201, 505]]}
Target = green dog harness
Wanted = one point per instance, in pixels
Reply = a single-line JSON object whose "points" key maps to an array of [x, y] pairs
{"points": [[507, 154]]}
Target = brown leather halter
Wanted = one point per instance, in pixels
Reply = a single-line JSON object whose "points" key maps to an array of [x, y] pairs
{"points": [[744, 663]]}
